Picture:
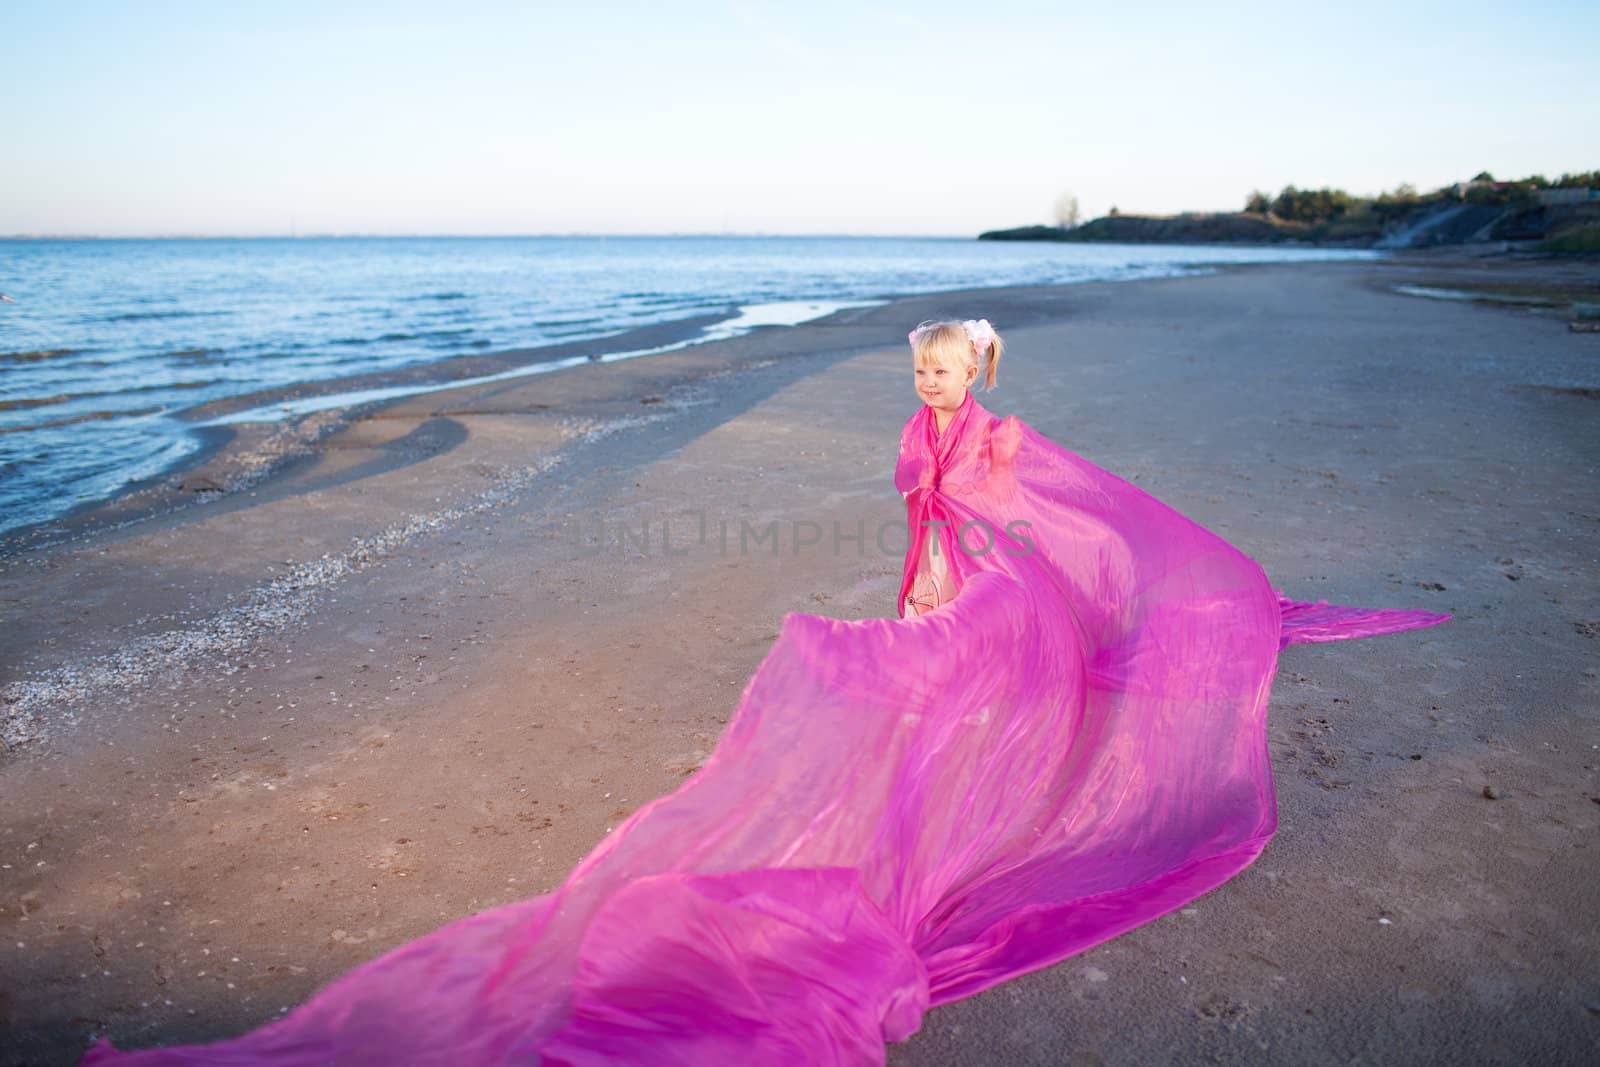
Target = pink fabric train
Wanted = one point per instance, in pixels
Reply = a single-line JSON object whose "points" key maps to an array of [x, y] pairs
{"points": [[903, 812]]}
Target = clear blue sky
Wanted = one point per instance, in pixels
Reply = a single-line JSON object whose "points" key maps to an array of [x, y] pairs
{"points": [[817, 117]]}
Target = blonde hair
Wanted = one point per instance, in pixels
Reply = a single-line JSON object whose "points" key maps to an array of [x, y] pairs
{"points": [[944, 343]]}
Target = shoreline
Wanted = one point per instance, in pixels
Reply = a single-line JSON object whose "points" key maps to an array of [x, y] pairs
{"points": [[236, 456], [292, 729]]}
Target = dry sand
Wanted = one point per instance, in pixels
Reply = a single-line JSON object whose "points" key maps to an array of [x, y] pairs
{"points": [[259, 740]]}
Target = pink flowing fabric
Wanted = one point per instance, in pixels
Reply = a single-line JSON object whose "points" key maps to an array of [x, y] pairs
{"points": [[902, 812]]}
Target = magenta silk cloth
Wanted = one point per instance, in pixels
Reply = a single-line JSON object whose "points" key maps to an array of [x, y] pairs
{"points": [[902, 812]]}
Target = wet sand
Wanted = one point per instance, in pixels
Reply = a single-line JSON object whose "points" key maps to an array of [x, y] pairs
{"points": [[386, 681]]}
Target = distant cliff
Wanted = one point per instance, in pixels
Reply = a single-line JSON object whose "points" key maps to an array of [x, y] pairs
{"points": [[1570, 226], [1188, 228]]}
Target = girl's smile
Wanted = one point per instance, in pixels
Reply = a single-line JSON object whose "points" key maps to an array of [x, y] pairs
{"points": [[942, 388]]}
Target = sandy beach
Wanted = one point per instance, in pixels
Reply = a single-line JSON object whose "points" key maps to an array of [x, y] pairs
{"points": [[380, 671]]}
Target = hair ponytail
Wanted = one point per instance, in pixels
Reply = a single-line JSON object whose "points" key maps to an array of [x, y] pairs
{"points": [[996, 346]]}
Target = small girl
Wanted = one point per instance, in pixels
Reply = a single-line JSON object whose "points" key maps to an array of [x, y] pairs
{"points": [[946, 361]]}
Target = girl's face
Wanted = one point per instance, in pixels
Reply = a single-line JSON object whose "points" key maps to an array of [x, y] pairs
{"points": [[943, 388]]}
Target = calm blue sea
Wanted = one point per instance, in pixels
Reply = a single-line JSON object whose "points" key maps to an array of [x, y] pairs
{"points": [[104, 342]]}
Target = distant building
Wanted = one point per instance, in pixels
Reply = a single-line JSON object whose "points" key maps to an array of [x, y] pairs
{"points": [[1575, 195], [1567, 195], [1460, 188]]}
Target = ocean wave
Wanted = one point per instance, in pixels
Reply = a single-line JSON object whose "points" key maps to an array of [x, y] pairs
{"points": [[549, 323], [659, 299], [38, 354], [35, 401], [24, 402], [141, 316], [424, 334], [563, 335], [88, 416], [158, 386]]}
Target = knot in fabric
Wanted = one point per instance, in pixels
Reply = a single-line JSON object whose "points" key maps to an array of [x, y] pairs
{"points": [[929, 478]]}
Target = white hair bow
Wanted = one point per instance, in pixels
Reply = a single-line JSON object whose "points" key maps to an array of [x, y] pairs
{"points": [[980, 333]]}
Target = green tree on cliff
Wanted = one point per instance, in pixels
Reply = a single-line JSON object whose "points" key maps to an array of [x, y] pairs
{"points": [[1311, 205], [1397, 204]]}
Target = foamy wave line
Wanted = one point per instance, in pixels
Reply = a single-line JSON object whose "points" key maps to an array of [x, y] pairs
{"points": [[750, 316]]}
